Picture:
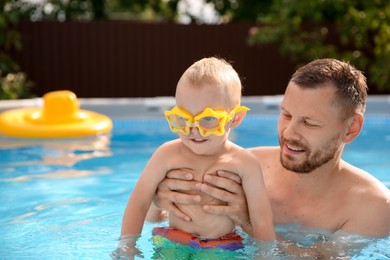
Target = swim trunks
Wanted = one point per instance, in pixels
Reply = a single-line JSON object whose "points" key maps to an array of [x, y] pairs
{"points": [[230, 242]]}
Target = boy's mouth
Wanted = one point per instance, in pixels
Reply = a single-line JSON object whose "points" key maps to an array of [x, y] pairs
{"points": [[198, 140]]}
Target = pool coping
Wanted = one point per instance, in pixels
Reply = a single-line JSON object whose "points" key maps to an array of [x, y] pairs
{"points": [[118, 108]]}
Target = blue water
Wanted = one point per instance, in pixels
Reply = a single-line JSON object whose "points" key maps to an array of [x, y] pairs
{"points": [[64, 199]]}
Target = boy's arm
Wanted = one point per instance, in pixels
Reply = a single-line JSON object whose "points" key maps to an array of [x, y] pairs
{"points": [[259, 207], [156, 214], [143, 192]]}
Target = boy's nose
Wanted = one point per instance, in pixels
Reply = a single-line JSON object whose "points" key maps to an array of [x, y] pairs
{"points": [[194, 130]]}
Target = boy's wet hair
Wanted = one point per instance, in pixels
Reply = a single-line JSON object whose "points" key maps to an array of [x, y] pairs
{"points": [[216, 72]]}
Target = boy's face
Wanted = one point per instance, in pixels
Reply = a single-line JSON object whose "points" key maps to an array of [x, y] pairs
{"points": [[195, 99]]}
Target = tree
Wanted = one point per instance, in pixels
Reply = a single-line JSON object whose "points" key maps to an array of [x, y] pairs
{"points": [[156, 10], [241, 10], [60, 10], [357, 31], [13, 82]]}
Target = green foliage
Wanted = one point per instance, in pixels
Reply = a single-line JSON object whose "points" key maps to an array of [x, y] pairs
{"points": [[357, 31], [151, 10], [14, 86], [9, 37], [241, 10], [60, 10], [13, 83]]}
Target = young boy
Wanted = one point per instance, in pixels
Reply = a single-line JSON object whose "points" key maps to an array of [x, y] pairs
{"points": [[207, 107]]}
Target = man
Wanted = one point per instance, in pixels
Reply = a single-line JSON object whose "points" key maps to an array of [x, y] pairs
{"points": [[306, 180]]}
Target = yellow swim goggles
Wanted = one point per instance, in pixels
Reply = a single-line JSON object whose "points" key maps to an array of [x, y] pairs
{"points": [[208, 121]]}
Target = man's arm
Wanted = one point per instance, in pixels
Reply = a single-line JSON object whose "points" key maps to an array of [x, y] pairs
{"points": [[226, 186], [169, 194]]}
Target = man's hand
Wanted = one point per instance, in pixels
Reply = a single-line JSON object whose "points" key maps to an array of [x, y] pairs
{"points": [[226, 186], [170, 192]]}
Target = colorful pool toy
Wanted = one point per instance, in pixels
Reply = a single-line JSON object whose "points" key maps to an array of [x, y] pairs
{"points": [[60, 117]]}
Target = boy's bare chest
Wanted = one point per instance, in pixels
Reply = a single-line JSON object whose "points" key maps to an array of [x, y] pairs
{"points": [[200, 166]]}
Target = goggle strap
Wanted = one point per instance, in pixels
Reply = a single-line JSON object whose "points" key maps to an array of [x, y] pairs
{"points": [[239, 109]]}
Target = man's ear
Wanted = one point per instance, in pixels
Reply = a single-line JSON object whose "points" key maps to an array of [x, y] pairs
{"points": [[237, 119], [355, 125]]}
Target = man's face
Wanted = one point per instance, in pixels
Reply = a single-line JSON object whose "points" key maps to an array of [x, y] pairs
{"points": [[310, 129]]}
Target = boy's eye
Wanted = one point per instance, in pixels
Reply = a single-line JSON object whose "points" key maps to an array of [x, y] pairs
{"points": [[209, 122], [208, 118], [178, 121]]}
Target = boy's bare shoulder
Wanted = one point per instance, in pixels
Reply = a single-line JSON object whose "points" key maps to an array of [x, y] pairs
{"points": [[242, 160], [238, 152], [168, 149], [263, 149], [266, 154], [173, 144]]}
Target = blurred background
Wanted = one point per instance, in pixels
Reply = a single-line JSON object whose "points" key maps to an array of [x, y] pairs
{"points": [[140, 48]]}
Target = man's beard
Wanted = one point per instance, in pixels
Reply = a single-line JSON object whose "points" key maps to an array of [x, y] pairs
{"points": [[313, 159]]}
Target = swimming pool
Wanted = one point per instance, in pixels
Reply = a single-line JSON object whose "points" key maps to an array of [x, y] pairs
{"points": [[64, 199]]}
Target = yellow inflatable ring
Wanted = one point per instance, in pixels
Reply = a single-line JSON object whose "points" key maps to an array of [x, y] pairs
{"points": [[60, 117]]}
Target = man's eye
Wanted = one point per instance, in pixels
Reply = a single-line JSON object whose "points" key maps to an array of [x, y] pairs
{"points": [[310, 124], [286, 115]]}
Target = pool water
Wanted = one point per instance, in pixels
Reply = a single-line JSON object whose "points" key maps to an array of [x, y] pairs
{"points": [[64, 199]]}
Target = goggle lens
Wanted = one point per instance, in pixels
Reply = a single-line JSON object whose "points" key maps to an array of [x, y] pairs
{"points": [[209, 122], [177, 121]]}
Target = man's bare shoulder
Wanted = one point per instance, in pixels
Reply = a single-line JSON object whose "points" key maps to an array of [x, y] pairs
{"points": [[362, 181], [369, 200], [236, 159]]}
